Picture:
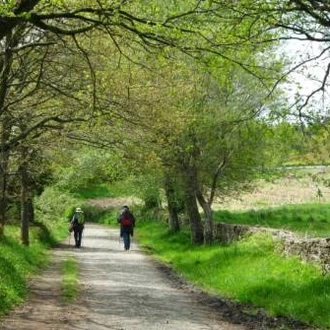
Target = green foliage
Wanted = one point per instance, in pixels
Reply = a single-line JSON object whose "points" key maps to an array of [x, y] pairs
{"points": [[54, 210], [249, 271], [146, 187], [6, 8], [96, 191], [88, 168], [310, 219], [98, 214], [55, 205]]}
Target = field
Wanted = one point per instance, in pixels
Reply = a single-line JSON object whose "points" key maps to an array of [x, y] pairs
{"points": [[301, 187]]}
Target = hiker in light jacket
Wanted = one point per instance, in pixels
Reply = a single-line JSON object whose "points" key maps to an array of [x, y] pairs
{"points": [[127, 224], [77, 225]]}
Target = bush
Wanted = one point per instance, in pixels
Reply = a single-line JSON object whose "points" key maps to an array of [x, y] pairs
{"points": [[54, 205]]}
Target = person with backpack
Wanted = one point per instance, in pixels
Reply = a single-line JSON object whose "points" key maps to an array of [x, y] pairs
{"points": [[127, 224], [77, 226]]}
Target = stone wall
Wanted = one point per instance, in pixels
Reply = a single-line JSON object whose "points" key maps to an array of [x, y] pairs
{"points": [[311, 250], [316, 250], [226, 233]]}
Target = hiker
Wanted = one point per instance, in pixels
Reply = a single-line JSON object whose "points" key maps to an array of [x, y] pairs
{"points": [[127, 224], [77, 226]]}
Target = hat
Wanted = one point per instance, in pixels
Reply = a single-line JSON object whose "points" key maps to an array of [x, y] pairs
{"points": [[125, 207], [78, 209]]}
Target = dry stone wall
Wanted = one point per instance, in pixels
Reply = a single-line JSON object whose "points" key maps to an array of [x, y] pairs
{"points": [[316, 250]]}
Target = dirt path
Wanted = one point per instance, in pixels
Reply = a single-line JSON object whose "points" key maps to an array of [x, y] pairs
{"points": [[120, 290], [126, 291]]}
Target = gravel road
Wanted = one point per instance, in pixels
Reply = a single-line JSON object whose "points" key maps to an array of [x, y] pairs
{"points": [[122, 290]]}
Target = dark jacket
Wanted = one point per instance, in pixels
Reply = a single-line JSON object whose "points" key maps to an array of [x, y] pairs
{"points": [[126, 220]]}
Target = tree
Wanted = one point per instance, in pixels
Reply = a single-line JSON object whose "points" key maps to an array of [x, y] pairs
{"points": [[192, 27], [292, 22], [201, 128], [28, 101]]}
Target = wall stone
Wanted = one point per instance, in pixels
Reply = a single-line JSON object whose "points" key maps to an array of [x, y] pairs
{"points": [[227, 233], [311, 250], [316, 250]]}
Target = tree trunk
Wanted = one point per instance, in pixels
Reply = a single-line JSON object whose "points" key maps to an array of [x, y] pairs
{"points": [[4, 159], [5, 66], [24, 218], [208, 223], [196, 227], [173, 218], [30, 209], [3, 203], [24, 198]]}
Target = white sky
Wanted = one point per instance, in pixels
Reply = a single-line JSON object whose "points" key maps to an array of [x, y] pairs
{"points": [[309, 77]]}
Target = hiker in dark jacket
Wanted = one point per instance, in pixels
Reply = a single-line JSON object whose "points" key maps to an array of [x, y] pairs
{"points": [[127, 224], [77, 225]]}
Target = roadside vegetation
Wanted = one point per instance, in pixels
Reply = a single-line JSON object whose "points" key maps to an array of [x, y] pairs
{"points": [[17, 265], [251, 271], [312, 220]]}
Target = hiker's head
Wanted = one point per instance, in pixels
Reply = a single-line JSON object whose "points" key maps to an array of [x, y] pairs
{"points": [[125, 208], [78, 210]]}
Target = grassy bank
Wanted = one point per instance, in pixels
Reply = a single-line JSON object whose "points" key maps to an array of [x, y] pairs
{"points": [[18, 263], [250, 271], [307, 219]]}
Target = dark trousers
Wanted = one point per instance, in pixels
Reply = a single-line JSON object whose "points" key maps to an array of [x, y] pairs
{"points": [[77, 233], [126, 233]]}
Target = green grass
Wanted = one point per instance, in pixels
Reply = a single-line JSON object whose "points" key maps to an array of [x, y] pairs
{"points": [[70, 282], [249, 271], [307, 219], [17, 264]]}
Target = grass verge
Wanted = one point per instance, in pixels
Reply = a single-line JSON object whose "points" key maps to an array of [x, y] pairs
{"points": [[309, 219], [17, 264], [249, 271], [70, 282]]}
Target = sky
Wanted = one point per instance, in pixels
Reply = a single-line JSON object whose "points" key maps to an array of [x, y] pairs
{"points": [[309, 77]]}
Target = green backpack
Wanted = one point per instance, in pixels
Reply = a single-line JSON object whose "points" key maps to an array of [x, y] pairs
{"points": [[80, 218]]}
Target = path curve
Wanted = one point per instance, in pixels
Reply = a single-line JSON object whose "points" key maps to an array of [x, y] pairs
{"points": [[120, 290]]}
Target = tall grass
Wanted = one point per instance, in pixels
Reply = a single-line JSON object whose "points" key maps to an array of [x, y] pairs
{"points": [[250, 271], [17, 263], [309, 219]]}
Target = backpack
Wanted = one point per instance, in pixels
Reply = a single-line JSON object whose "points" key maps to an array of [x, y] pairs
{"points": [[80, 218], [126, 220]]}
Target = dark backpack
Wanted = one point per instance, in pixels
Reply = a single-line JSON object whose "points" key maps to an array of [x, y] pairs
{"points": [[126, 219]]}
